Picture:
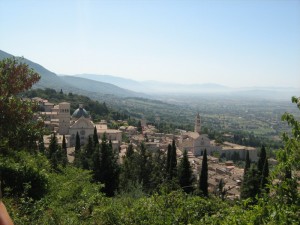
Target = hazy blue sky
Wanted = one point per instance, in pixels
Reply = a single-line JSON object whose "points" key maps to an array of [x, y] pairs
{"points": [[235, 43]]}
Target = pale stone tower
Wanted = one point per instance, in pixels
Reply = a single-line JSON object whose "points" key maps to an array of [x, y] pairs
{"points": [[64, 118], [197, 124]]}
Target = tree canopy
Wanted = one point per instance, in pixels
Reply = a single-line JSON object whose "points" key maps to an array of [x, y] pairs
{"points": [[16, 77]]}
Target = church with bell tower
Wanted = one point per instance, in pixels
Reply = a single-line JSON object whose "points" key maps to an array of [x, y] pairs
{"points": [[197, 142]]}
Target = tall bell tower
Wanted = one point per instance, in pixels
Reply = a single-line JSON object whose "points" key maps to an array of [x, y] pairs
{"points": [[197, 124], [64, 118]]}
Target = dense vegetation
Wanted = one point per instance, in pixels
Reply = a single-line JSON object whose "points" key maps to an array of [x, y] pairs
{"points": [[46, 190]]}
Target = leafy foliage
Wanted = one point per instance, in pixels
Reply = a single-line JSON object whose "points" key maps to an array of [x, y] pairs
{"points": [[39, 195], [23, 174], [16, 77], [167, 208]]}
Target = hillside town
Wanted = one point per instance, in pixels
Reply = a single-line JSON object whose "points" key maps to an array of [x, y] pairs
{"points": [[58, 119]]}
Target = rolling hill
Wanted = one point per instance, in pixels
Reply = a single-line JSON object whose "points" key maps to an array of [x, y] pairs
{"points": [[118, 81], [97, 86], [86, 87], [48, 78], [153, 87]]}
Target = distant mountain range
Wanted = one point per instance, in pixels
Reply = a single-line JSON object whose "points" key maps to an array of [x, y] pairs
{"points": [[110, 87], [77, 85], [153, 87]]}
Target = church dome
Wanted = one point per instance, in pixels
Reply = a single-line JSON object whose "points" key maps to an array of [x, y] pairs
{"points": [[80, 112]]}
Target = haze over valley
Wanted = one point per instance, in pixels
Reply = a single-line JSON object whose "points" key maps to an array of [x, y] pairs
{"points": [[177, 103], [149, 112]]}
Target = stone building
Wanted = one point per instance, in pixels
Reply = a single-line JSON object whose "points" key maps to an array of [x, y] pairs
{"points": [[197, 142], [238, 152], [80, 122], [59, 120]]}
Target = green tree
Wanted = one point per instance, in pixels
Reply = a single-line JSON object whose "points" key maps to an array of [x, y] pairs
{"points": [[250, 186], [96, 167], [108, 170], [129, 151], [89, 148], [263, 168], [139, 127], [288, 161], [143, 164], [262, 159], [17, 127], [252, 179], [53, 151], [265, 176], [171, 161], [64, 151], [157, 168], [247, 163], [77, 152], [129, 176], [169, 152], [95, 137], [203, 181], [185, 174]]}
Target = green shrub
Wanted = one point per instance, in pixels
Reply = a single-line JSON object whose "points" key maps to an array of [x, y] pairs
{"points": [[24, 174]]}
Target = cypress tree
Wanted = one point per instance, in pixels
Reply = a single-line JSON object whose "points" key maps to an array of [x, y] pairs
{"points": [[203, 181], [129, 151], [106, 169], [77, 154], [143, 173], [86, 154], [250, 186], [64, 151], [173, 163], [53, 146], [158, 170], [168, 160], [247, 163], [53, 151], [128, 174], [89, 148], [96, 168], [262, 159], [139, 127], [264, 176], [95, 137], [263, 168], [185, 174]]}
